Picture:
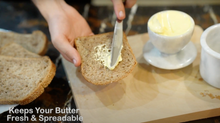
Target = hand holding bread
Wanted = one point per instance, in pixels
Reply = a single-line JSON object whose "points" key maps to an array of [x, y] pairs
{"points": [[65, 24], [24, 73]]}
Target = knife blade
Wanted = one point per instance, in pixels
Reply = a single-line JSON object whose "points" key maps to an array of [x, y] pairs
{"points": [[117, 42]]}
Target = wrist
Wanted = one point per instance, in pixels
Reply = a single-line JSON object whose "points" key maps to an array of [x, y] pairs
{"points": [[49, 8]]}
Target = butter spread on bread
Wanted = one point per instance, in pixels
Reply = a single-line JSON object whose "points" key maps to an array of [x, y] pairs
{"points": [[103, 54]]}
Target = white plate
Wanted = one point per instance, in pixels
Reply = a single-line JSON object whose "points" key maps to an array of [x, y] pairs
{"points": [[4, 108], [170, 62], [4, 30]]}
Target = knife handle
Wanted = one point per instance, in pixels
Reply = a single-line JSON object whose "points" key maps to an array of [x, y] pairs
{"points": [[124, 2]]}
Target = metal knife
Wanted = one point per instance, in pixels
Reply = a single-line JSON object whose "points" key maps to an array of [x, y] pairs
{"points": [[117, 41]]}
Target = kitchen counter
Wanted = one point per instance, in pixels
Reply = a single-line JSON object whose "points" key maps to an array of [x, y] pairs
{"points": [[23, 17]]}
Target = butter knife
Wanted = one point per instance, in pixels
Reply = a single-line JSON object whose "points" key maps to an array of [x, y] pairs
{"points": [[117, 41]]}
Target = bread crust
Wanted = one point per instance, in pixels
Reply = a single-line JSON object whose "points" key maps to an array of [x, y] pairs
{"points": [[45, 48], [108, 82], [45, 39]]}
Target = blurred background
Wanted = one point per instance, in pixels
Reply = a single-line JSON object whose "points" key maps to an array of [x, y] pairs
{"points": [[161, 2], [24, 17]]}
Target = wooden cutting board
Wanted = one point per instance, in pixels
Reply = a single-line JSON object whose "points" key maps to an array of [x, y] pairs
{"points": [[148, 94]]}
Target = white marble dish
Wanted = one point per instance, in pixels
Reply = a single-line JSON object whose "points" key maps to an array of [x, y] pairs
{"points": [[210, 55], [170, 62], [171, 44]]}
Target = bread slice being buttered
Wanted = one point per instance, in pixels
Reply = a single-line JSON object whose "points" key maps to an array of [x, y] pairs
{"points": [[22, 80], [35, 42], [93, 70]]}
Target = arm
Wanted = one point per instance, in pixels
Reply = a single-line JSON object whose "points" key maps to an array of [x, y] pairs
{"points": [[65, 24]]}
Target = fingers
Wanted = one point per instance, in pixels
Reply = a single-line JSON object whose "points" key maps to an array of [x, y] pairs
{"points": [[119, 9], [130, 3], [91, 34], [67, 51]]}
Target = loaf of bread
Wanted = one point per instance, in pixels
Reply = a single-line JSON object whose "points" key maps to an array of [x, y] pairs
{"points": [[93, 70], [22, 80], [35, 42]]}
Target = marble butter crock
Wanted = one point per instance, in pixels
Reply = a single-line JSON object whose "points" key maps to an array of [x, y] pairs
{"points": [[210, 55]]}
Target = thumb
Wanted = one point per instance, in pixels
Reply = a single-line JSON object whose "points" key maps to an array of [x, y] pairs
{"points": [[119, 9], [68, 51]]}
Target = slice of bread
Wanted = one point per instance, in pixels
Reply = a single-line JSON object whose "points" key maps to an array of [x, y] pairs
{"points": [[23, 79], [35, 42], [93, 70], [15, 50]]}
